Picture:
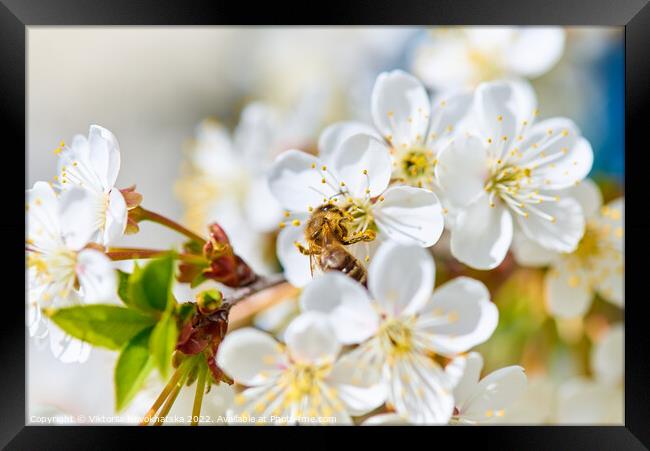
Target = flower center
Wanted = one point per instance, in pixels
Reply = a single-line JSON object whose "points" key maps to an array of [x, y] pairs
{"points": [[305, 379], [360, 215], [396, 336], [511, 184], [416, 166], [55, 270]]}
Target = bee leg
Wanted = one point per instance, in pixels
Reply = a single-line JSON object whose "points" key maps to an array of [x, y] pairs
{"points": [[368, 235], [302, 249]]}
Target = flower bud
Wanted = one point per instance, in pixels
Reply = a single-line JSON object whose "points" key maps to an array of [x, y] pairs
{"points": [[209, 300]]}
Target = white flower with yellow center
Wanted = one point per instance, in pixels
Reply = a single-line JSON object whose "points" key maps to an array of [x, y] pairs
{"points": [[412, 127], [60, 271], [597, 264], [356, 178], [301, 382], [508, 167], [465, 56], [402, 327], [93, 163]]}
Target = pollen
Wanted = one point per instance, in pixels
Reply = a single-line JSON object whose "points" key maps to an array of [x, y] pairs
{"points": [[57, 150], [367, 259], [282, 225], [313, 165], [287, 214], [323, 180], [295, 222], [381, 198], [489, 140], [365, 172], [62, 143], [342, 183], [499, 118], [324, 168]]}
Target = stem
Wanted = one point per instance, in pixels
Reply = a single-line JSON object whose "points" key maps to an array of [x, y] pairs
{"points": [[162, 220], [130, 253], [165, 393], [198, 397], [261, 283], [169, 403]]}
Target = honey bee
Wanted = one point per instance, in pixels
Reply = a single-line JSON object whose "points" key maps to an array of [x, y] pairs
{"points": [[327, 234]]}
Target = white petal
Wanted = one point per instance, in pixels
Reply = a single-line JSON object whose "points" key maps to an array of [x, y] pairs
{"points": [[66, 348], [385, 419], [295, 179], [363, 163], [448, 109], [558, 161], [360, 395], [404, 291], [473, 363], [96, 276], [462, 170], [495, 112], [458, 317], [331, 138], [562, 228], [607, 357], [311, 339], [494, 394], [588, 196], [250, 357], [400, 107], [104, 154], [347, 303], [78, 213], [255, 134], [116, 216], [535, 50], [295, 266], [420, 390], [263, 212], [410, 215], [482, 234], [568, 289], [42, 217], [529, 253]]}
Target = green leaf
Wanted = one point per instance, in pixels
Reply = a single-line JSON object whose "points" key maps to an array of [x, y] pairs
{"points": [[133, 366], [198, 280], [122, 289], [108, 326], [162, 343], [150, 288]]}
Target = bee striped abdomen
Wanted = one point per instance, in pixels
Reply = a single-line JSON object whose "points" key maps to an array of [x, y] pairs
{"points": [[338, 259]]}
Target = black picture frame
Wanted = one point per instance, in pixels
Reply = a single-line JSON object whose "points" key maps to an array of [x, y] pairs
{"points": [[634, 15]]}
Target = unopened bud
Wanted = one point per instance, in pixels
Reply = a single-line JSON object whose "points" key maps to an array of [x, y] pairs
{"points": [[209, 300]]}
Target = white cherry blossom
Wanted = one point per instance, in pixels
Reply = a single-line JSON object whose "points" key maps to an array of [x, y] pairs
{"points": [[356, 178], [411, 126], [487, 399], [61, 271], [401, 327], [596, 266], [465, 56], [507, 174], [296, 382], [93, 164]]}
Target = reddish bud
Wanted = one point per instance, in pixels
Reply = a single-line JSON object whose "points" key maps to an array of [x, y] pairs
{"points": [[225, 266]]}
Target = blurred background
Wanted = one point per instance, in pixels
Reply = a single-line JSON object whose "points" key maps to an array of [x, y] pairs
{"points": [[170, 93]]}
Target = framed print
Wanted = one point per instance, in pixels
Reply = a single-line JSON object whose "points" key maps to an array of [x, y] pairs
{"points": [[416, 218]]}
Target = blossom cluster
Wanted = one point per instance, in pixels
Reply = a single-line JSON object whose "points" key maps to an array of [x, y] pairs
{"points": [[470, 174]]}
